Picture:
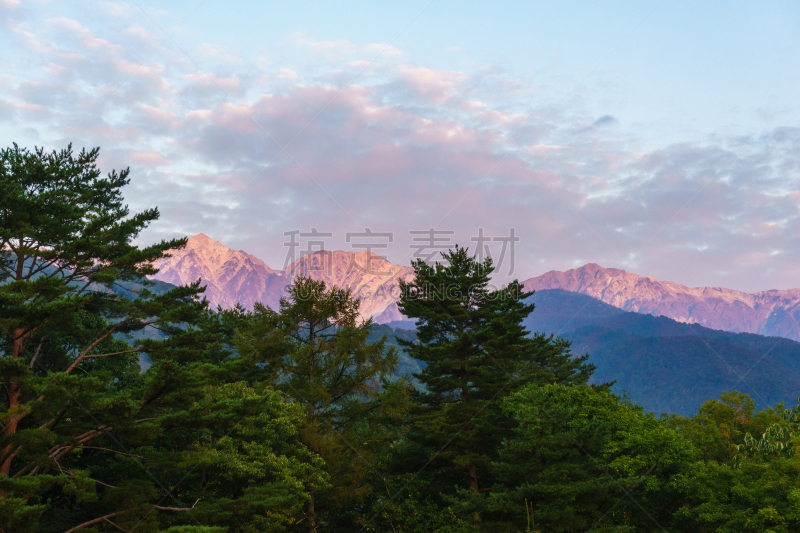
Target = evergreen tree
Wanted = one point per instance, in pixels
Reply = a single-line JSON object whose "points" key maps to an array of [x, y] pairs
{"points": [[316, 350], [476, 351], [88, 439]]}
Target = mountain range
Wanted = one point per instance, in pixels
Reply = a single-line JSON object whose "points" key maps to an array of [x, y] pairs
{"points": [[233, 277], [774, 313], [669, 347]]}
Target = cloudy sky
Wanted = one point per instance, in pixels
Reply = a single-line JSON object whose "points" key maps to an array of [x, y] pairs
{"points": [[658, 137]]}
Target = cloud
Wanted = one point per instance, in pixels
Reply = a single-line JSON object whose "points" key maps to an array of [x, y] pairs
{"points": [[287, 74], [31, 42], [435, 86], [150, 158], [117, 10], [255, 153], [605, 120]]}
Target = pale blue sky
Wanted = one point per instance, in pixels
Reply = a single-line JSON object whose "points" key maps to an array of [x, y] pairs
{"points": [[671, 66]]}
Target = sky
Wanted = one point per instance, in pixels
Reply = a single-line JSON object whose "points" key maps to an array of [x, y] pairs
{"points": [[660, 137]]}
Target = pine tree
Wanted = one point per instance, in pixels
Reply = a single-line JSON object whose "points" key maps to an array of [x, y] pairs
{"points": [[316, 350], [88, 439], [477, 351]]}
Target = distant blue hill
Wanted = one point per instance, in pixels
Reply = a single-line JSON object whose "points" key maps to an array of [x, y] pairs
{"points": [[665, 365], [130, 289]]}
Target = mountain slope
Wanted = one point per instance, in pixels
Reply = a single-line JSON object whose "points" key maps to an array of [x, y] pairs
{"points": [[662, 364], [232, 277], [666, 365], [371, 278], [775, 313]]}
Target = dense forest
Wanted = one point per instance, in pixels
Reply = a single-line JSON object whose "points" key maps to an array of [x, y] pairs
{"points": [[294, 420]]}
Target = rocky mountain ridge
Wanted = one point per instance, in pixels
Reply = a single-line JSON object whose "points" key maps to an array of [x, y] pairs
{"points": [[774, 313], [237, 277], [232, 277]]}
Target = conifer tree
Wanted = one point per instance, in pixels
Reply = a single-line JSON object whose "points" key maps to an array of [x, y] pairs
{"points": [[477, 351], [88, 439], [316, 350], [65, 247]]}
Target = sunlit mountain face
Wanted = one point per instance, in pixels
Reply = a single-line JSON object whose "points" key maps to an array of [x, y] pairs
{"points": [[232, 277], [773, 312]]}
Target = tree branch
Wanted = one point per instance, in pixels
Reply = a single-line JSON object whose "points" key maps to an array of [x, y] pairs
{"points": [[176, 509], [91, 522], [36, 354], [85, 354], [110, 450], [115, 525]]}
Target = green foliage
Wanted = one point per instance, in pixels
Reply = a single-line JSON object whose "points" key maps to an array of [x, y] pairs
{"points": [[777, 440], [407, 366], [759, 496], [476, 351], [584, 459], [246, 452], [317, 351], [752, 485], [89, 441], [411, 510]]}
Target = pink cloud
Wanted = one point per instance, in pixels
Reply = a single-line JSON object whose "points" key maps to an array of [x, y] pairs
{"points": [[434, 85], [152, 72], [228, 84], [161, 116], [406, 147], [56, 69], [139, 32], [33, 109], [287, 74], [83, 35], [470, 105], [32, 42], [148, 158]]}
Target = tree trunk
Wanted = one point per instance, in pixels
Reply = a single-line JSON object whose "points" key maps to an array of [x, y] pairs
{"points": [[473, 478], [312, 517], [13, 402], [473, 484], [472, 470], [11, 427], [13, 390]]}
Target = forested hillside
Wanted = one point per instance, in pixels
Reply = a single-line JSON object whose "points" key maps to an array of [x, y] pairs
{"points": [[665, 365], [300, 419]]}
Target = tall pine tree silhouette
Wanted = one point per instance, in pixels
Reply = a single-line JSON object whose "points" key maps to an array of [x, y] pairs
{"points": [[476, 351]]}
